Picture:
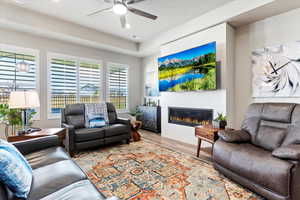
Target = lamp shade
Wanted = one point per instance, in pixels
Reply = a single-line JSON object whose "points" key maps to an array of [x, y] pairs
{"points": [[23, 67], [24, 99]]}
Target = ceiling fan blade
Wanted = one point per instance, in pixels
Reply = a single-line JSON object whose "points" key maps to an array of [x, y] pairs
{"points": [[142, 13], [134, 1], [99, 11], [109, 1], [123, 21]]}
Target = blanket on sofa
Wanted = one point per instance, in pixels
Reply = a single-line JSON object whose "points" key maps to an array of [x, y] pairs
{"points": [[96, 115]]}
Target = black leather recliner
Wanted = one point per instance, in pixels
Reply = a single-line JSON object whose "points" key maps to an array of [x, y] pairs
{"points": [[55, 175], [79, 137]]}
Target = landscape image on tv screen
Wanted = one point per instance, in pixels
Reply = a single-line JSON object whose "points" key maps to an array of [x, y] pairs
{"points": [[189, 70]]}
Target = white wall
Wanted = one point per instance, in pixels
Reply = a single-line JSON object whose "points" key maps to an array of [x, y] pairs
{"points": [[216, 100], [275, 30], [44, 45]]}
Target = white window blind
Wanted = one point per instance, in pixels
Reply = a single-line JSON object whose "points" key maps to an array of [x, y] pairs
{"points": [[90, 82], [63, 82], [118, 86], [73, 81], [10, 78]]}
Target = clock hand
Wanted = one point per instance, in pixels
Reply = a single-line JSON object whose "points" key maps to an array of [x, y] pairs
{"points": [[281, 67], [274, 70]]}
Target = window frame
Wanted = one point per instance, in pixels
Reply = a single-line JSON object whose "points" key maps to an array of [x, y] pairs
{"points": [[36, 54], [108, 64], [78, 60]]}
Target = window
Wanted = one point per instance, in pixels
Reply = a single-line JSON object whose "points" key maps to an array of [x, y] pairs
{"points": [[89, 78], [72, 80], [10, 78], [118, 86]]}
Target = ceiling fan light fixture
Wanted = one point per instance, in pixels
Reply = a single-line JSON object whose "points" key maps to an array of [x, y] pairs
{"points": [[120, 9]]}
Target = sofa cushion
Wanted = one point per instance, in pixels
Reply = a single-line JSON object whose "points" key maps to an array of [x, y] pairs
{"points": [[290, 152], [53, 177], [293, 135], [86, 134], [115, 129], [269, 137], [74, 115], [46, 157], [112, 114], [279, 112], [82, 190], [255, 164], [76, 120]]}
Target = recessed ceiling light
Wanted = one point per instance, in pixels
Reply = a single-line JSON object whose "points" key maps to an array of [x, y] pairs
{"points": [[127, 26]]}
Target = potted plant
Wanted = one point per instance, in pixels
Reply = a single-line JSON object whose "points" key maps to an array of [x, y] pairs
{"points": [[134, 113], [220, 121], [10, 117]]}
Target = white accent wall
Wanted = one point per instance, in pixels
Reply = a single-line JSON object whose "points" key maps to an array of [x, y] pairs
{"points": [[219, 100]]}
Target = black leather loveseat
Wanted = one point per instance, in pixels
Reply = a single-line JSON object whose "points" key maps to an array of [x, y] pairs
{"points": [[55, 175], [79, 137]]}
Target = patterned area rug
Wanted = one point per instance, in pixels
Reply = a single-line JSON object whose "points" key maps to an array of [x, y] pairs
{"points": [[147, 171]]}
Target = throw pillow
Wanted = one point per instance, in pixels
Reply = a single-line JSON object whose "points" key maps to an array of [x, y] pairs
{"points": [[269, 137], [15, 172], [96, 112]]}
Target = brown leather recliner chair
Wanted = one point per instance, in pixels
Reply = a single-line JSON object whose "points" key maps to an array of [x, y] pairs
{"points": [[264, 155]]}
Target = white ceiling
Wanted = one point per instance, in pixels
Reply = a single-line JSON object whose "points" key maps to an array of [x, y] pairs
{"points": [[170, 14]]}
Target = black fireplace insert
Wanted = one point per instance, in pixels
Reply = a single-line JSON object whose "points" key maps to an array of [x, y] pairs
{"points": [[190, 116]]}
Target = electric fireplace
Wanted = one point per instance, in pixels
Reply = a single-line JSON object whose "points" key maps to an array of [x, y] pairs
{"points": [[190, 116]]}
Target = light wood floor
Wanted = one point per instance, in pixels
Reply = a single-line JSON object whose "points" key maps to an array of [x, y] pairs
{"points": [[190, 149]]}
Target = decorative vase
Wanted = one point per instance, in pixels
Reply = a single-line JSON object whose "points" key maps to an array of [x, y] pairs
{"points": [[222, 124]]}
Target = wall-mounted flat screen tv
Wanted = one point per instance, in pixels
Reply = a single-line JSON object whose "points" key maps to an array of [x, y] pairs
{"points": [[189, 70]]}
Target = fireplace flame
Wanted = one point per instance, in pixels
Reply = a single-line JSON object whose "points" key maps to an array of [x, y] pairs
{"points": [[190, 120]]}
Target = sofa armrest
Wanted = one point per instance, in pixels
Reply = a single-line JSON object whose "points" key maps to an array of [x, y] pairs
{"points": [[123, 121], [289, 152], [234, 136], [37, 144], [70, 138]]}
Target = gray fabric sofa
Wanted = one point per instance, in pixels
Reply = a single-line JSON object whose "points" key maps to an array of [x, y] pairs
{"points": [[264, 155], [80, 138], [55, 175]]}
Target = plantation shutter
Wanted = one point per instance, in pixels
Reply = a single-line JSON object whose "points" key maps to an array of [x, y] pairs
{"points": [[63, 83], [11, 79], [118, 86], [90, 82]]}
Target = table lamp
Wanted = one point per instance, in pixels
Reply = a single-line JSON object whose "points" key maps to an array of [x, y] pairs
{"points": [[24, 100]]}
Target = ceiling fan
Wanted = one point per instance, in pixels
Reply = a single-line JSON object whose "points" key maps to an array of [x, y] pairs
{"points": [[121, 8]]}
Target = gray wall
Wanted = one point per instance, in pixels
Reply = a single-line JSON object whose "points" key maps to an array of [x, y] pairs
{"points": [[275, 30], [45, 45]]}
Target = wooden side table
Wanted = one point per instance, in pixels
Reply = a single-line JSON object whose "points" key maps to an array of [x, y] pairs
{"points": [[60, 132], [206, 133], [135, 126]]}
